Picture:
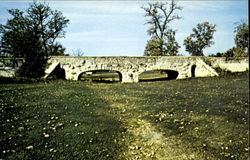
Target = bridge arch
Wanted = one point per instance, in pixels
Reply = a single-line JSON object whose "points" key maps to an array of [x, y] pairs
{"points": [[102, 75], [158, 74], [193, 70]]}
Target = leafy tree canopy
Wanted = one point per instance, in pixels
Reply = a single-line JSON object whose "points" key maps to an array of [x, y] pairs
{"points": [[32, 34], [241, 42], [39, 26], [200, 39], [242, 36]]}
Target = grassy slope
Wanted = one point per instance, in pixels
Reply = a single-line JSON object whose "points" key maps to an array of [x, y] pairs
{"points": [[203, 118]]}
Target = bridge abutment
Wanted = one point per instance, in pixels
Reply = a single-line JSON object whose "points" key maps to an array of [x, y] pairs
{"points": [[69, 75], [130, 77]]}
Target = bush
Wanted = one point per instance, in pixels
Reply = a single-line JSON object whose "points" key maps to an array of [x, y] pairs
{"points": [[32, 68], [222, 72]]}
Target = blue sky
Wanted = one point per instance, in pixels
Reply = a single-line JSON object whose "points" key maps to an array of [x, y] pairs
{"points": [[116, 28]]}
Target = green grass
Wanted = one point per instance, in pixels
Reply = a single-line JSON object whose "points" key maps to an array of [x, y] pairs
{"points": [[200, 118]]}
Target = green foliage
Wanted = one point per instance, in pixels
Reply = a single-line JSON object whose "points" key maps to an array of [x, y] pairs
{"points": [[242, 36], [162, 47], [153, 47], [218, 54], [241, 42], [232, 52], [200, 39], [222, 72], [32, 68], [31, 34], [162, 40], [172, 45], [57, 50], [17, 37], [235, 52]]}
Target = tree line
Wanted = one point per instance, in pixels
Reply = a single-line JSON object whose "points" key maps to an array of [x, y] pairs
{"points": [[32, 35], [162, 37]]}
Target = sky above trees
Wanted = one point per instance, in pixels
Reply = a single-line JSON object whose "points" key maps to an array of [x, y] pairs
{"points": [[117, 28]]}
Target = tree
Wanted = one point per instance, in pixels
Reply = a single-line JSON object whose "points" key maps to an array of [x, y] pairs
{"points": [[218, 54], [31, 34], [172, 44], [242, 36], [162, 40], [200, 39], [57, 50], [235, 52], [16, 36], [77, 52], [241, 40]]}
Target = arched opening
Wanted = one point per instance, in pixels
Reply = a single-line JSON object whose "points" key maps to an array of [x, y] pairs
{"points": [[107, 76], [158, 75], [193, 71], [57, 73]]}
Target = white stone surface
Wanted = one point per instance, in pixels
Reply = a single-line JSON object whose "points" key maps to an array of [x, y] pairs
{"points": [[131, 67]]}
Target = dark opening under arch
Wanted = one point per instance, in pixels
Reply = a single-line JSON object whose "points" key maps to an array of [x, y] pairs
{"points": [[193, 70], [158, 75], [107, 76], [57, 73]]}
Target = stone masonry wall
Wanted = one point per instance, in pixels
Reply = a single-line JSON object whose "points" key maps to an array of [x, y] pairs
{"points": [[131, 67]]}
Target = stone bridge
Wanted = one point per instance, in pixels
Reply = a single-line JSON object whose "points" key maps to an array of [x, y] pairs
{"points": [[131, 67]]}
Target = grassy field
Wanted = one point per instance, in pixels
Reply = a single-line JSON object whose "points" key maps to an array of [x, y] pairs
{"points": [[199, 119]]}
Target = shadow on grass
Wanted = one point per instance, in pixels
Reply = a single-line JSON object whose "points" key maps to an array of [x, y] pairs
{"points": [[58, 122]]}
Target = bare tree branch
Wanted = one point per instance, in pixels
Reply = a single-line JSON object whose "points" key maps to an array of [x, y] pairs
{"points": [[160, 14]]}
